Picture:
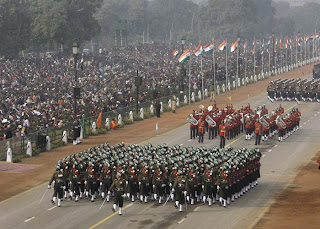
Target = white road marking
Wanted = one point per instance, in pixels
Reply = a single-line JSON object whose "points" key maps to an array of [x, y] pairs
{"points": [[196, 209], [181, 144], [29, 219], [52, 208], [300, 126], [304, 123], [129, 205], [309, 120], [181, 220], [312, 117], [189, 140], [269, 150], [275, 146], [263, 155]]}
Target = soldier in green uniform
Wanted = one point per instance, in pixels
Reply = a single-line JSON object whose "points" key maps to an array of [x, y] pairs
{"points": [[159, 184], [119, 187], [75, 179], [208, 186], [105, 180], [59, 179], [180, 189]]}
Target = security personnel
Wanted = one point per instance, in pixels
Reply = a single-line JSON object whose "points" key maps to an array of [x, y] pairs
{"points": [[223, 132], [59, 179], [119, 186], [258, 131], [201, 129]]}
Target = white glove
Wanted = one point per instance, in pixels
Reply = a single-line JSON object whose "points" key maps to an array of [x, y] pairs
{"points": [[170, 184], [218, 187], [154, 186], [49, 186], [202, 186], [70, 182], [139, 182], [64, 187], [100, 183], [109, 192], [126, 182], [185, 193], [85, 182], [173, 190]]}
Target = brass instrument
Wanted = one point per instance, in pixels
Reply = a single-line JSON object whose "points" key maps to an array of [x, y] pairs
{"points": [[280, 122], [192, 120], [264, 122], [210, 121]]}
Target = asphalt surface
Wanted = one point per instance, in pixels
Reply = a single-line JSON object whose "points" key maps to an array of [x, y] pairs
{"points": [[280, 163]]}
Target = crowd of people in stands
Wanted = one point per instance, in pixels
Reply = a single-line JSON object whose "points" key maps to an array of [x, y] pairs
{"points": [[37, 90]]}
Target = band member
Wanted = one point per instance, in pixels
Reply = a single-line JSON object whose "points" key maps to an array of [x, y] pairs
{"points": [[223, 132], [258, 131], [201, 130]]}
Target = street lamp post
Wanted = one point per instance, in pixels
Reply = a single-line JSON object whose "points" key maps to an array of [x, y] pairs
{"points": [[299, 46], [183, 71], [76, 90], [138, 82]]}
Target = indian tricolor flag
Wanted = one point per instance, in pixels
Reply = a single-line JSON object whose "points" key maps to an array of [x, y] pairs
{"points": [[222, 45], [208, 48], [254, 45], [198, 51], [175, 52], [280, 46], [185, 56], [234, 46]]}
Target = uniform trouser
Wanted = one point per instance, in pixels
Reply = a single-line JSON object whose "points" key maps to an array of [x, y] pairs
{"points": [[82, 186], [258, 139], [179, 196], [118, 198], [281, 133], [145, 188], [215, 132], [58, 190], [229, 134], [92, 185], [200, 137], [222, 142], [266, 133], [211, 135], [160, 188], [75, 186], [192, 132], [132, 185], [191, 190], [106, 184], [208, 189]]}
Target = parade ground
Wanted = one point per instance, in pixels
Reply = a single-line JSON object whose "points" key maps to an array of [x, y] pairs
{"points": [[286, 197]]}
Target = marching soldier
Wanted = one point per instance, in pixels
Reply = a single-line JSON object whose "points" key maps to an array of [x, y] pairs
{"points": [[119, 188], [180, 189], [144, 184], [105, 180], [59, 179], [75, 182], [91, 180], [208, 186], [159, 184]]}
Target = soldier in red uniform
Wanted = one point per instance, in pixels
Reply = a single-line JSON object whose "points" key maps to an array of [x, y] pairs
{"points": [[258, 131], [201, 129], [223, 132]]}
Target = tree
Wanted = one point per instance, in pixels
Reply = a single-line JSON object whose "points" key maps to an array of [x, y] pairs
{"points": [[14, 26], [63, 21]]}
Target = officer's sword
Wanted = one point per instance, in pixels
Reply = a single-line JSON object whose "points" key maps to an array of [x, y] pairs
{"points": [[168, 199], [43, 196], [103, 202]]}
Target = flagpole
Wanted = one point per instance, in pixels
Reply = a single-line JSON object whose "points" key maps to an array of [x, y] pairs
{"points": [[297, 40], [286, 53], [237, 64], [291, 53], [262, 70], [226, 47], [245, 64], [190, 79], [202, 78], [254, 58], [214, 71], [269, 60]]}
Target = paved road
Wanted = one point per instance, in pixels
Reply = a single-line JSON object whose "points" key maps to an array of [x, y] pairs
{"points": [[280, 163]]}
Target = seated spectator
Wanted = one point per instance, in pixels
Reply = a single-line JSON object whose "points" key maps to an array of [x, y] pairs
{"points": [[113, 124]]}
